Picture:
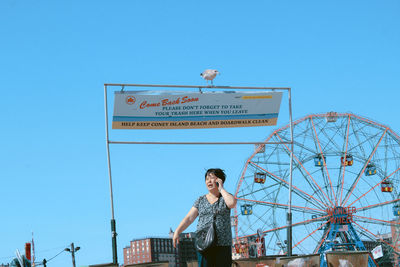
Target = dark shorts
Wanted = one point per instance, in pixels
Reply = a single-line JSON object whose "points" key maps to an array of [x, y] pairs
{"points": [[216, 257]]}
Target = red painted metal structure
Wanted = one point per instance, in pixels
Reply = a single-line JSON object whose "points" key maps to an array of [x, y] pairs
{"points": [[358, 171]]}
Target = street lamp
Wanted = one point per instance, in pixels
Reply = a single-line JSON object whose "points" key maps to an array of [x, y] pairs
{"points": [[72, 251]]}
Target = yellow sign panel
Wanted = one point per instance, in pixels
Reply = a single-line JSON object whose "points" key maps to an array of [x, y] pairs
{"points": [[192, 124]]}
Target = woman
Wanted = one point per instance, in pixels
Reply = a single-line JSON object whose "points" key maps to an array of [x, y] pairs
{"points": [[217, 199]]}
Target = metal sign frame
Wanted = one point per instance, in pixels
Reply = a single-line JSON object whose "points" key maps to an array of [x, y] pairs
{"points": [[200, 87]]}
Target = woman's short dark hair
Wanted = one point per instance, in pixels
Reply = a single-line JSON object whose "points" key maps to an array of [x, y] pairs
{"points": [[217, 172]]}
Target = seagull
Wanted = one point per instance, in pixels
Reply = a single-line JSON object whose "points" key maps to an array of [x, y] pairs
{"points": [[209, 75]]}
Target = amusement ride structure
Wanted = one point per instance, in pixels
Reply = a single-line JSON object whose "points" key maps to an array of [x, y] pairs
{"points": [[346, 175]]}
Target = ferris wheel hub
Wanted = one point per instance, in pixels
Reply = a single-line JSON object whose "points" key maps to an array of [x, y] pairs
{"points": [[341, 215]]}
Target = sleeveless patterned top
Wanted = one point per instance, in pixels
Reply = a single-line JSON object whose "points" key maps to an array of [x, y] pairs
{"points": [[222, 221]]}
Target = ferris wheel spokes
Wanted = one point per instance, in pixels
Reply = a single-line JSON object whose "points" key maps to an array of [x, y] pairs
{"points": [[368, 220], [345, 155], [321, 241], [348, 194], [293, 225], [259, 190], [297, 190], [299, 162], [360, 131], [323, 158], [330, 139], [363, 195], [284, 206], [310, 234], [260, 219], [378, 205]]}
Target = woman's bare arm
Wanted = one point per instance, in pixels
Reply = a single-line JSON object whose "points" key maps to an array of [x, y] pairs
{"points": [[188, 220]]}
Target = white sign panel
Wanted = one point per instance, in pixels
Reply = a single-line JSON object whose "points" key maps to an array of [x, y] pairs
{"points": [[377, 252], [183, 110]]}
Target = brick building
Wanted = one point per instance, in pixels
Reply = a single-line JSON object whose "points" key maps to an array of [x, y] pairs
{"points": [[153, 249]]}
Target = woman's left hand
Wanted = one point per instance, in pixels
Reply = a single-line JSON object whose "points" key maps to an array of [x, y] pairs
{"points": [[220, 184]]}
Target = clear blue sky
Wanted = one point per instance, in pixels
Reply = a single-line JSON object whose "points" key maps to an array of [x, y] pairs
{"points": [[56, 56]]}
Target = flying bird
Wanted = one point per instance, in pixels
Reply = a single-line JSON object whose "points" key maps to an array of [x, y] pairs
{"points": [[209, 75]]}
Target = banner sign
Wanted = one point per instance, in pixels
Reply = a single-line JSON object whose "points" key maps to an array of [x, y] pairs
{"points": [[189, 110], [377, 252]]}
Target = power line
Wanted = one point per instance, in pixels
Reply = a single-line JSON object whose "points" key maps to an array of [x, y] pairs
{"points": [[36, 252], [46, 261], [56, 255]]}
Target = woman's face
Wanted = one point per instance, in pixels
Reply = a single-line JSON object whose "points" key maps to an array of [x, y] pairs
{"points": [[210, 181]]}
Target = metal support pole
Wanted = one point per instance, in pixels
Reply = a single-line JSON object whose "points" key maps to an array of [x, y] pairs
{"points": [[289, 214], [73, 254], [289, 234], [114, 241], [113, 227], [194, 143]]}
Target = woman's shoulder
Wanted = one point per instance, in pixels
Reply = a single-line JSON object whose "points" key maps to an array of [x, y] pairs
{"points": [[202, 197], [199, 200]]}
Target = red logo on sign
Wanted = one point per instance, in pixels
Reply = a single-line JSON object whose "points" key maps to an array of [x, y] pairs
{"points": [[130, 100]]}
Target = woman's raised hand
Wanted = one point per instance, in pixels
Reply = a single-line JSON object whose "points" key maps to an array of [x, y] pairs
{"points": [[220, 184]]}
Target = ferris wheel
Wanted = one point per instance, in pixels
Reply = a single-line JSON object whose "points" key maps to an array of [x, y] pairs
{"points": [[345, 193]]}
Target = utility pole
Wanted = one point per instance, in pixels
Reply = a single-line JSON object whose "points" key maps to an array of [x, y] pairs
{"points": [[73, 250], [73, 254]]}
